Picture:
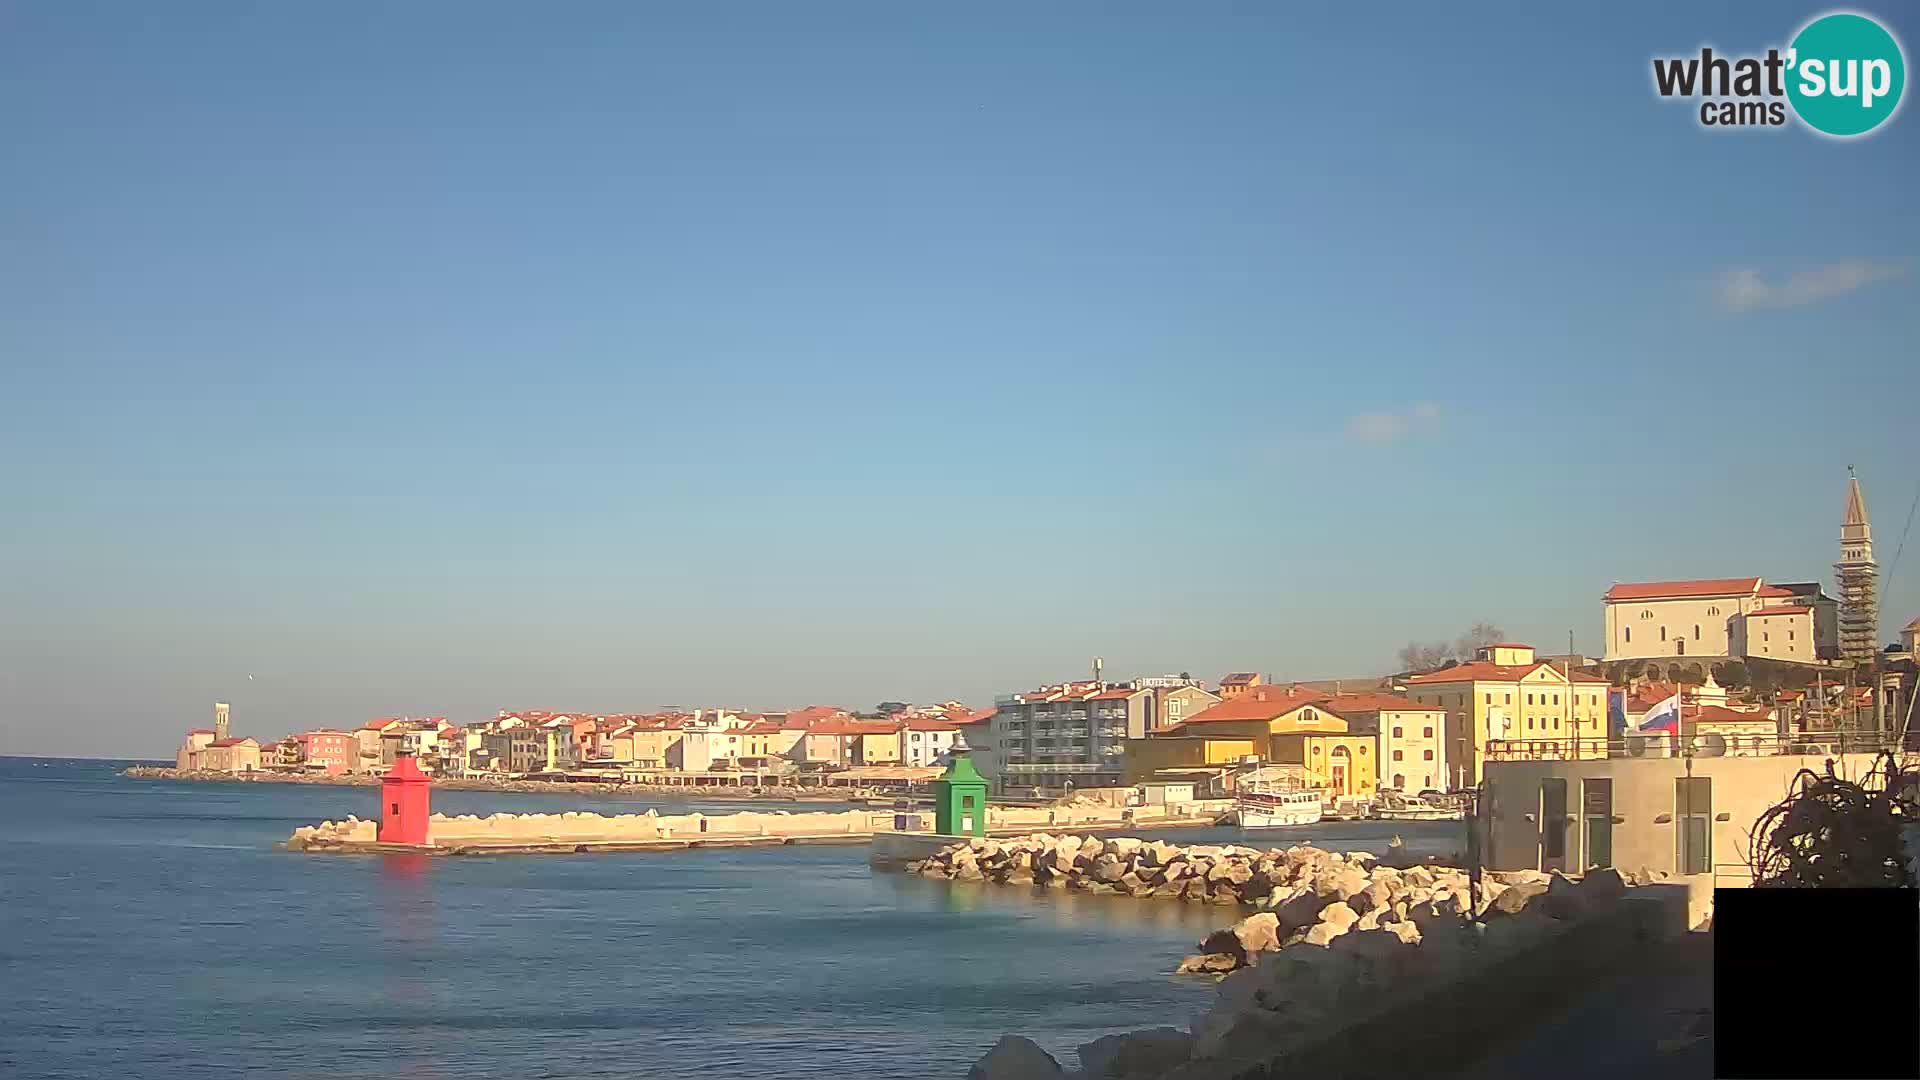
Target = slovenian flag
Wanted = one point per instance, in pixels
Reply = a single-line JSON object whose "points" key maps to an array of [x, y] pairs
{"points": [[1664, 717]]}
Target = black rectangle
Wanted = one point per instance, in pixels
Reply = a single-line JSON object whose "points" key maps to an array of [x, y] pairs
{"points": [[1784, 957]]}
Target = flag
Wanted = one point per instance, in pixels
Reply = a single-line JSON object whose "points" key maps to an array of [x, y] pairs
{"points": [[1664, 717]]}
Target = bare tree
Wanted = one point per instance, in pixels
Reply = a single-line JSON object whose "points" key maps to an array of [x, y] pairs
{"points": [[1478, 636], [1418, 656]]}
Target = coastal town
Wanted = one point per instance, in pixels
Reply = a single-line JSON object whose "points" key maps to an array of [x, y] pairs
{"points": [[1722, 667]]}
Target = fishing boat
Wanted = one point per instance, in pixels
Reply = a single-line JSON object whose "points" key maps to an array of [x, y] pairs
{"points": [[1260, 805]]}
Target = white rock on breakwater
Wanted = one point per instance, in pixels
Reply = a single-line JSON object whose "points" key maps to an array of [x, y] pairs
{"points": [[1339, 938]]}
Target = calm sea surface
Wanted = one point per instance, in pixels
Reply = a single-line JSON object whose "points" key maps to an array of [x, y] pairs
{"points": [[151, 929]]}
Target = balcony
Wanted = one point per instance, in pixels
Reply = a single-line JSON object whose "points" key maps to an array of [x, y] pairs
{"points": [[1073, 733]]}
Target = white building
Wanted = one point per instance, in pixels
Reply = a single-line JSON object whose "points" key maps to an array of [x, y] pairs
{"points": [[1718, 617], [923, 740]]}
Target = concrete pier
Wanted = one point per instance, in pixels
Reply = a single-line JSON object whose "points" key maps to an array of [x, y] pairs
{"points": [[578, 832]]}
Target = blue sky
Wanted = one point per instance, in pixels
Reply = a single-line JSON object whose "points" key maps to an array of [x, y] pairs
{"points": [[440, 357]]}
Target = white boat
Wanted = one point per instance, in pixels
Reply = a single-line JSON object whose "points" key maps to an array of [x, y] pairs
{"points": [[1277, 809]]}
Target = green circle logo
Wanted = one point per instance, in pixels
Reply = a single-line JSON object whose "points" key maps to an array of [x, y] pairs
{"points": [[1845, 74]]}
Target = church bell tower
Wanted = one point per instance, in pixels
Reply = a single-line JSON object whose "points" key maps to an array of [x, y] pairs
{"points": [[1858, 577]]}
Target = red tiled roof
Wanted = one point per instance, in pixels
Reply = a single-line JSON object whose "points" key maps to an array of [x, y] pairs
{"points": [[1788, 609], [853, 727], [1343, 703], [1488, 671], [232, 742], [1680, 590], [1237, 678], [1775, 591], [764, 727], [1258, 703], [923, 723], [1116, 694], [979, 717]]}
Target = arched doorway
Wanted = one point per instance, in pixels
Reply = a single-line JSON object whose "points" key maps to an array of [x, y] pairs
{"points": [[1340, 771]]}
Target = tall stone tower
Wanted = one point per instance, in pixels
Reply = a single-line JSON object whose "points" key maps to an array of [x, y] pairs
{"points": [[219, 719], [1859, 579]]}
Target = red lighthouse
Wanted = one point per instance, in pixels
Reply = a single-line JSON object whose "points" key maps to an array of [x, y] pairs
{"points": [[403, 803]]}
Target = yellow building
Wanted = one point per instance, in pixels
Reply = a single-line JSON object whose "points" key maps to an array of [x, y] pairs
{"points": [[1410, 748], [1506, 696], [1292, 725], [1339, 765], [1144, 758], [879, 747]]}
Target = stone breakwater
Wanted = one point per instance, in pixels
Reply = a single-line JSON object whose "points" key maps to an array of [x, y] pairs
{"points": [[524, 831], [1228, 875], [1336, 938]]}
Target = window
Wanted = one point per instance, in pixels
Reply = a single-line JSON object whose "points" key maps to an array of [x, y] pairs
{"points": [[1363, 748], [1427, 782], [1400, 781], [1427, 732], [1529, 723], [1556, 699], [1428, 755], [1529, 699], [1789, 635], [1696, 631], [1509, 700], [1647, 614], [1489, 699], [1397, 731], [1629, 633], [1397, 755], [1663, 633], [1713, 611], [1763, 635], [1556, 723]]}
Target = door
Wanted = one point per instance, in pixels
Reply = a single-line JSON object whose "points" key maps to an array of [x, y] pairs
{"points": [[1596, 807], [1553, 823], [1340, 770], [1693, 813]]}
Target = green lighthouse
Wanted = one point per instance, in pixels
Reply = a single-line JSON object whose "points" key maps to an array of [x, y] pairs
{"points": [[960, 796]]}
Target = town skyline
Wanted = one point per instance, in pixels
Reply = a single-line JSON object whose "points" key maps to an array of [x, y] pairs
{"points": [[917, 356]]}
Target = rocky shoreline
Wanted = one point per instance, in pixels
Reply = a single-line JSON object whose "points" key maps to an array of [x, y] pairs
{"points": [[1335, 937], [525, 787]]}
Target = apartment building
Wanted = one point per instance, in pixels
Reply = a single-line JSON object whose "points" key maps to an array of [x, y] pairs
{"points": [[1506, 694]]}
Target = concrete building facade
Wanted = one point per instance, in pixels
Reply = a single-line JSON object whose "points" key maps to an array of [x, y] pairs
{"points": [[1683, 816]]}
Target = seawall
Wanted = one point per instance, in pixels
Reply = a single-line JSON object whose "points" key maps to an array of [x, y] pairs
{"points": [[576, 831]]}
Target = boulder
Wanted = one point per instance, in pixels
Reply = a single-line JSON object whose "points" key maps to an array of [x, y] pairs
{"points": [[1300, 910], [1339, 913], [1372, 898], [1208, 963], [1121, 847], [1564, 899], [1515, 898], [1602, 885], [1108, 869], [1258, 933], [1152, 1052], [1015, 1057]]}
